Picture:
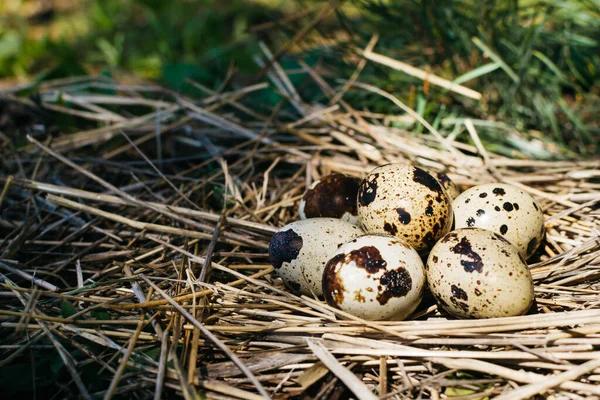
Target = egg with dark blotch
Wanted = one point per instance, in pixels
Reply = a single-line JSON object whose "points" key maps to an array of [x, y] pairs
{"points": [[503, 209], [406, 202], [300, 250], [375, 277], [476, 273], [332, 196]]}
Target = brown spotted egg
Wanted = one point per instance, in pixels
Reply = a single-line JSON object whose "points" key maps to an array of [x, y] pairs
{"points": [[406, 202], [332, 196], [504, 209], [300, 250], [375, 277], [476, 273]]}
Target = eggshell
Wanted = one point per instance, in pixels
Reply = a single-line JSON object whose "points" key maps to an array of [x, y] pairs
{"points": [[332, 196], [476, 273], [504, 209], [375, 277], [406, 202], [300, 250]]}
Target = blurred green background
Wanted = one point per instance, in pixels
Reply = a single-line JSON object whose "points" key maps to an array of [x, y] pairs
{"points": [[536, 62]]}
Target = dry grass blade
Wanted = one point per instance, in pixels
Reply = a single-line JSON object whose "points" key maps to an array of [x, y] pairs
{"points": [[212, 337], [532, 389], [350, 380], [29, 277], [425, 76], [132, 342], [517, 376]]}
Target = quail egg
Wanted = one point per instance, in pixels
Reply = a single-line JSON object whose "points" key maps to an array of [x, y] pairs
{"points": [[333, 196], [504, 209], [476, 273], [375, 277], [300, 250], [406, 202]]}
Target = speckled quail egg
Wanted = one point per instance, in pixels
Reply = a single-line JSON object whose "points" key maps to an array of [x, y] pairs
{"points": [[332, 196], [504, 209], [375, 277], [476, 273], [406, 202], [300, 250]]}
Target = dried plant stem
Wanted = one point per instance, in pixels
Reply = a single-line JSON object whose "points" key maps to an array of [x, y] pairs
{"points": [[417, 73], [213, 338]]}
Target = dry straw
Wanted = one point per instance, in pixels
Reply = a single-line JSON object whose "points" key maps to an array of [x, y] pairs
{"points": [[151, 282]]}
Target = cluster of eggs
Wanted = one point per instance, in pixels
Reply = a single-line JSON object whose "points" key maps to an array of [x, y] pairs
{"points": [[361, 244]]}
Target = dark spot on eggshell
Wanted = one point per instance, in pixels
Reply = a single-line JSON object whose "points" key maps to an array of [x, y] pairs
{"points": [[535, 206], [531, 246], [443, 178], [443, 221], [499, 192], [507, 206], [392, 229], [295, 286], [459, 293], [503, 229], [429, 211], [450, 237], [332, 197], [470, 221], [358, 297], [284, 247], [333, 285], [424, 178], [435, 259], [483, 195], [428, 239], [395, 283], [368, 190], [480, 213], [467, 200], [477, 292], [459, 304], [516, 206], [367, 257], [471, 260], [403, 215], [497, 208]]}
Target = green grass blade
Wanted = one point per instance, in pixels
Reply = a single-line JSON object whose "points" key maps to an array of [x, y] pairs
{"points": [[551, 65], [477, 72], [494, 56]]}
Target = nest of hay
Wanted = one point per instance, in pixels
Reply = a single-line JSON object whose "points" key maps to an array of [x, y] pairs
{"points": [[134, 256]]}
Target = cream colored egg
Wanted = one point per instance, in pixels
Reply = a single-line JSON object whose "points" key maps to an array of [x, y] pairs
{"points": [[300, 250], [504, 209], [375, 277], [476, 273], [406, 202], [332, 196]]}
